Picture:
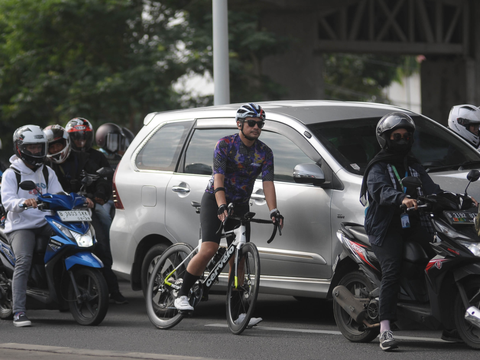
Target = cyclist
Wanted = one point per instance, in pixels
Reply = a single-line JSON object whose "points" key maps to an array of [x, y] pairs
{"points": [[80, 131], [237, 161], [386, 225], [465, 120], [25, 227]]}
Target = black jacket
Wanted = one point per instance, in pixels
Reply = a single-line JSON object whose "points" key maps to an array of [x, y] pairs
{"points": [[384, 199], [69, 174]]}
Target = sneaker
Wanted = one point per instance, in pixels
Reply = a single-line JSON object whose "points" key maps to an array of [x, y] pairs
{"points": [[387, 342], [20, 320], [118, 298], [182, 304], [253, 321]]}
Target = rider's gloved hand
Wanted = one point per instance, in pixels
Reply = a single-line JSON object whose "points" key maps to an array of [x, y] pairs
{"points": [[276, 217]]}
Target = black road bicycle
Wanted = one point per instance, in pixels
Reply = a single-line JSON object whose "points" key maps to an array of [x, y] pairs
{"points": [[243, 283]]}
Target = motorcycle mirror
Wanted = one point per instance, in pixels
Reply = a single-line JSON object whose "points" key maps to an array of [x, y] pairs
{"points": [[473, 175], [105, 171], [411, 182], [27, 185]]}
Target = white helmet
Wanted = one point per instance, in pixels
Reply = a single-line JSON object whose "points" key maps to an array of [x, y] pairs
{"points": [[461, 117], [26, 136]]}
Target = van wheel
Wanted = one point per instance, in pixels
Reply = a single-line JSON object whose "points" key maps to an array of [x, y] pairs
{"points": [[149, 262]]}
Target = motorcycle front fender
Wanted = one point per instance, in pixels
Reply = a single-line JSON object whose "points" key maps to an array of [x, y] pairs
{"points": [[84, 258]]}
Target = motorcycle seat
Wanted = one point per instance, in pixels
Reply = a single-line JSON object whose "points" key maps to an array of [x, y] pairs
{"points": [[358, 231]]}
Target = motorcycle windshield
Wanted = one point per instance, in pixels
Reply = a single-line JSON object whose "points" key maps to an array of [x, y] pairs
{"points": [[63, 201]]}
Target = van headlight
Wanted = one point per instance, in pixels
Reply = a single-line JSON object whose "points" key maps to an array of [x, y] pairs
{"points": [[474, 247]]}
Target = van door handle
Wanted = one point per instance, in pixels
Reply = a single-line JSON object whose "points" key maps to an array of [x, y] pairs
{"points": [[258, 197], [180, 189]]}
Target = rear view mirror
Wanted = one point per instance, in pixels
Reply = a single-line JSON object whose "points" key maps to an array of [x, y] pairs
{"points": [[473, 175], [411, 182], [27, 185], [308, 174]]}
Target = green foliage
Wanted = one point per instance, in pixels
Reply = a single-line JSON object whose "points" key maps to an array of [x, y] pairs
{"points": [[363, 77], [108, 60]]}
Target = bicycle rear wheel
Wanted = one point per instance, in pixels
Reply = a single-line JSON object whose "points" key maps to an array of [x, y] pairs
{"points": [[241, 300], [160, 296]]}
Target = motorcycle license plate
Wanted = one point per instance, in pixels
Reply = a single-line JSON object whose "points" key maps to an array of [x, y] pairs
{"points": [[74, 215], [460, 217]]}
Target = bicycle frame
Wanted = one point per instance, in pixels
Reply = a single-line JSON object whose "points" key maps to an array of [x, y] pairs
{"points": [[234, 248]]}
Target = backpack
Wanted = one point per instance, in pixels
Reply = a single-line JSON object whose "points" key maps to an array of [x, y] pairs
{"points": [[3, 212], [19, 175]]}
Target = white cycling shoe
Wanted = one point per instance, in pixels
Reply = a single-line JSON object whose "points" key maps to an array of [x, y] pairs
{"points": [[253, 321], [182, 304]]}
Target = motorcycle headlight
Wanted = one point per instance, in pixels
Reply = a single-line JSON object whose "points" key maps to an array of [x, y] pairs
{"points": [[82, 240], [472, 246]]}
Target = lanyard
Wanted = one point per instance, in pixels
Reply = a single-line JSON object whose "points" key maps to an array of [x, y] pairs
{"points": [[398, 177]]}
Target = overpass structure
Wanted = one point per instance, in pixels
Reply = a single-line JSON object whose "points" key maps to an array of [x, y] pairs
{"points": [[445, 32]]}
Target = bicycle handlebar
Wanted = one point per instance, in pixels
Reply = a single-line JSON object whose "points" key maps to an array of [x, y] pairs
{"points": [[248, 217]]}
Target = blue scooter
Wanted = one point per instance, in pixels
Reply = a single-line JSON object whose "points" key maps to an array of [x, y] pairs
{"points": [[65, 274]]}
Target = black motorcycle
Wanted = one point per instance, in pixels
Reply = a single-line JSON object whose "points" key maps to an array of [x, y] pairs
{"points": [[438, 293]]}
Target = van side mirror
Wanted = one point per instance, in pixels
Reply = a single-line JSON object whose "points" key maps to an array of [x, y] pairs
{"points": [[308, 174]]}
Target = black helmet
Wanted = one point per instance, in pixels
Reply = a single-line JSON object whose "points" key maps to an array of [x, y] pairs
{"points": [[391, 122], [113, 139]]}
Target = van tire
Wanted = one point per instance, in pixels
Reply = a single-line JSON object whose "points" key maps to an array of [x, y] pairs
{"points": [[148, 264]]}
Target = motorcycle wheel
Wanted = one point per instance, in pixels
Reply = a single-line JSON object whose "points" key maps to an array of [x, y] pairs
{"points": [[359, 286], [469, 333], [91, 308], [6, 302]]}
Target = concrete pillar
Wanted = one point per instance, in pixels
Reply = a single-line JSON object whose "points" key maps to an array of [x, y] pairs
{"points": [[299, 70], [443, 85]]}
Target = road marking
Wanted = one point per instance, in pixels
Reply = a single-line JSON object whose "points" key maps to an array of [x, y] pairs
{"points": [[333, 332]]}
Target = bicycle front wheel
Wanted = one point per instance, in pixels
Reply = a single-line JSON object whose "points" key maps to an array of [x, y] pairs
{"points": [[241, 297], [161, 294]]}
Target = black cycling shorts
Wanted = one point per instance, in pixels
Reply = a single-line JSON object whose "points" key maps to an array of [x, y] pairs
{"points": [[210, 222]]}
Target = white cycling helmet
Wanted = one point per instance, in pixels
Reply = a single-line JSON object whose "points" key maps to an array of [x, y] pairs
{"points": [[460, 119], [26, 136]]}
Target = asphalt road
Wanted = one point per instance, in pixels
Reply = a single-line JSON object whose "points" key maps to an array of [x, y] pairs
{"points": [[291, 330]]}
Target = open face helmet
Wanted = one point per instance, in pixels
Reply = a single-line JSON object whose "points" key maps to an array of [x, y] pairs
{"points": [[57, 134], [392, 122], [30, 145], [460, 119], [81, 134]]}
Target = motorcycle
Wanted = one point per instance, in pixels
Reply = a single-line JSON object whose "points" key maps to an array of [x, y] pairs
{"points": [[64, 273], [438, 293]]}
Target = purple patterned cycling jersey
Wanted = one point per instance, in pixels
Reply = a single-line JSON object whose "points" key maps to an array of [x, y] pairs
{"points": [[240, 165]]}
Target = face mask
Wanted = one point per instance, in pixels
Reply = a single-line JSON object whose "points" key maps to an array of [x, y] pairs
{"points": [[401, 147]]}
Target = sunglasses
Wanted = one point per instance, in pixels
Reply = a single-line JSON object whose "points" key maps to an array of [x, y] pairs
{"points": [[398, 137], [252, 123]]}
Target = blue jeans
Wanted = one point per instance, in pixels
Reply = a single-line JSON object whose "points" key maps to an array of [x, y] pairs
{"points": [[23, 243]]}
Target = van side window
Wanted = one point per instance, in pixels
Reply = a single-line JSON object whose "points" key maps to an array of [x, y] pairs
{"points": [[286, 155], [162, 149], [199, 154]]}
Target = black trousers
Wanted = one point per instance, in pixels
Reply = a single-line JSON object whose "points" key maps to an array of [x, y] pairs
{"points": [[390, 255]]}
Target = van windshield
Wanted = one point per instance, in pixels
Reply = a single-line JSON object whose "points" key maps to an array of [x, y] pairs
{"points": [[353, 144]]}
